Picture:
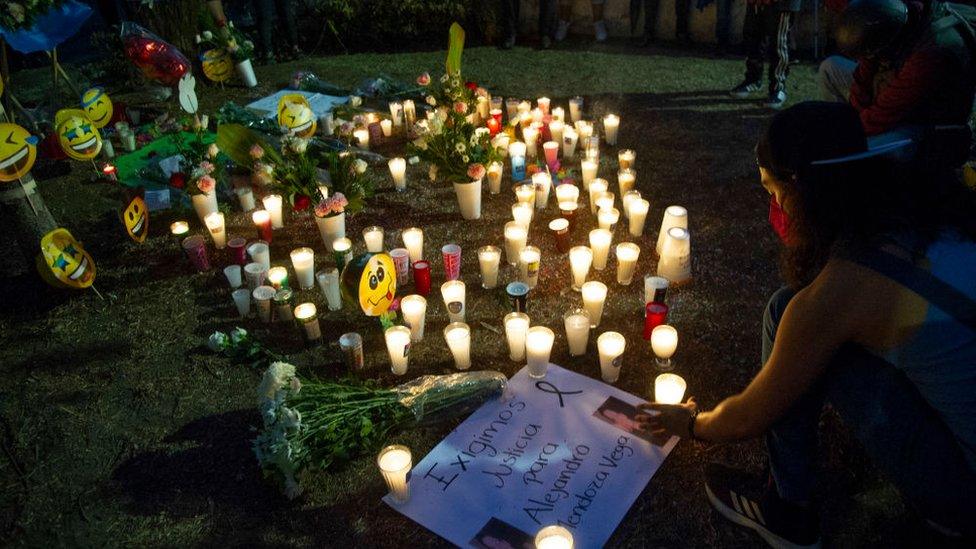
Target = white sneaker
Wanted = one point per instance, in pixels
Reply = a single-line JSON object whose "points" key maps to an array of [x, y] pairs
{"points": [[562, 30], [600, 29]]}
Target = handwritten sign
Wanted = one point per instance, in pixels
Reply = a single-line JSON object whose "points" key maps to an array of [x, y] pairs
{"points": [[561, 450]]}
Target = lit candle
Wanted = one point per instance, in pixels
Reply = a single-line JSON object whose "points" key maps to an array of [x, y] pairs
{"points": [[588, 169], [394, 463], [600, 240], [542, 182], [414, 310], [559, 114], [655, 314], [496, 109], [611, 123], [179, 229], [413, 241], [627, 254], [628, 199], [396, 113], [537, 115], [303, 260], [453, 293], [551, 151], [495, 177], [584, 129], [611, 347], [577, 322], [516, 327], [607, 218], [511, 108], [516, 154], [483, 106], [625, 180], [554, 537], [596, 189], [398, 170], [568, 211], [398, 347], [272, 203], [638, 215], [525, 193], [669, 389], [374, 239], [538, 347], [655, 289], [664, 342], [522, 213], [362, 137], [594, 296], [387, 127], [488, 259], [559, 228], [262, 219], [306, 315], [580, 259], [570, 138], [567, 192], [543, 103], [575, 109], [604, 201], [246, 197], [494, 126], [531, 136], [674, 216], [342, 252], [516, 236], [591, 148], [556, 128], [328, 280], [278, 277], [260, 253], [626, 159], [675, 262], [529, 260], [262, 297], [458, 337]]}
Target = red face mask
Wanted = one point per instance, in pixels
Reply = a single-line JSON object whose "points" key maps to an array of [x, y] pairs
{"points": [[779, 220]]}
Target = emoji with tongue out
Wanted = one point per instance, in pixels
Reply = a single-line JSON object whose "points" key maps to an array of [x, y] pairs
{"points": [[296, 116], [18, 150], [63, 262], [370, 281], [77, 134]]}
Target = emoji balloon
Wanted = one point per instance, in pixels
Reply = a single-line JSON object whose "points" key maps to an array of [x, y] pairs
{"points": [[296, 116], [78, 136], [63, 262], [18, 151], [370, 282], [217, 64], [98, 106], [135, 216]]}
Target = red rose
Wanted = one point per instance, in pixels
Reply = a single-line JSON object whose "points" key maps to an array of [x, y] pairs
{"points": [[302, 203], [471, 85], [177, 180]]}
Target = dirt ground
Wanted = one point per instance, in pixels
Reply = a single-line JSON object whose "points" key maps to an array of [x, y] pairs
{"points": [[119, 429]]}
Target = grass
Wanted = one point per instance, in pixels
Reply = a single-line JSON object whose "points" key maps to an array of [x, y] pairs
{"points": [[118, 430]]}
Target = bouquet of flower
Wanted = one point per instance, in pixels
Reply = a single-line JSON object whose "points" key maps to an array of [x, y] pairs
{"points": [[201, 164], [228, 38], [241, 348], [323, 424]]}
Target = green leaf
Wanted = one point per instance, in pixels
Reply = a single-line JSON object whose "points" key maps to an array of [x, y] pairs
{"points": [[455, 45], [236, 141]]}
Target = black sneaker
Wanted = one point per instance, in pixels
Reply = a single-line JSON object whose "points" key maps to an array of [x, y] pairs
{"points": [[508, 44], [745, 89], [781, 524], [776, 99]]}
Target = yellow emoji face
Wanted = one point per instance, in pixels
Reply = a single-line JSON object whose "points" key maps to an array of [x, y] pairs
{"points": [[217, 64], [377, 285], [98, 106], [296, 116], [78, 136], [64, 262], [135, 217], [18, 150]]}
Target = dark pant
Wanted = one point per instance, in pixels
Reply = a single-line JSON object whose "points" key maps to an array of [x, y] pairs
{"points": [[723, 21], [547, 17], [899, 430], [682, 13], [264, 10], [766, 35]]}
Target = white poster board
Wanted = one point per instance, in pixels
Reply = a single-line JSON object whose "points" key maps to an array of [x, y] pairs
{"points": [[560, 450], [319, 103]]}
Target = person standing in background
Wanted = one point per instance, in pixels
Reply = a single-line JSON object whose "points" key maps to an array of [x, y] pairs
{"points": [[510, 22], [264, 13], [682, 15], [766, 34], [566, 14]]}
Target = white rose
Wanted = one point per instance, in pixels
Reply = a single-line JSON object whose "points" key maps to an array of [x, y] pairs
{"points": [[431, 101], [207, 35], [218, 342], [414, 160], [212, 151], [360, 165], [355, 100], [238, 335]]}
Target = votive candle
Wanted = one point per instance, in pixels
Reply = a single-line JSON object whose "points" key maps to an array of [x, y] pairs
{"points": [[306, 315], [516, 236], [328, 280], [398, 347], [525, 193], [669, 389], [538, 348], [626, 158], [588, 168], [675, 262], [554, 537], [362, 137], [627, 254], [580, 260], [577, 323], [516, 155], [303, 260], [607, 218], [453, 293], [542, 182], [278, 277], [664, 342], [488, 259], [638, 215], [272, 203], [611, 346], [596, 189], [625, 180], [246, 197], [387, 127], [674, 216], [567, 192], [398, 170], [522, 213], [611, 124], [262, 219], [215, 224], [516, 327], [600, 240], [530, 259], [458, 337], [374, 239], [495, 177], [594, 297], [394, 463], [413, 241]]}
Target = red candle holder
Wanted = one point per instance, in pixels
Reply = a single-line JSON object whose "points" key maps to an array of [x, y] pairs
{"points": [[421, 277], [655, 314]]}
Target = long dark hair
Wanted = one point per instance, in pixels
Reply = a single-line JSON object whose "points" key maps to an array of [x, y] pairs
{"points": [[855, 204]]}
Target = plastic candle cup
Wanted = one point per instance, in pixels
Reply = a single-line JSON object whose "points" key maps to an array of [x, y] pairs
{"points": [[585, 129], [611, 347], [675, 263], [580, 260], [543, 103], [575, 109], [413, 240], [398, 170], [255, 274], [179, 229], [522, 213], [588, 167], [278, 277], [605, 201], [530, 258], [551, 151], [531, 136], [538, 347], [394, 463], [596, 189], [488, 259], [409, 112], [242, 300], [451, 254], [215, 224], [626, 159], [282, 304], [262, 219], [387, 126], [374, 239], [638, 215], [611, 124], [516, 236], [542, 182], [607, 218], [594, 296], [396, 113], [556, 128], [570, 138], [511, 108], [303, 260], [342, 252], [328, 280], [458, 337], [260, 253], [577, 323], [554, 537], [625, 180], [664, 342], [568, 211], [500, 143], [591, 148], [559, 113], [567, 192], [401, 262], [272, 203], [495, 177], [262, 297], [525, 193], [453, 293], [306, 315], [398, 347], [627, 254], [627, 200], [516, 154], [414, 309], [362, 137], [669, 389], [655, 289], [516, 327], [246, 197], [238, 250], [233, 274], [655, 314], [600, 240], [559, 228], [674, 216]]}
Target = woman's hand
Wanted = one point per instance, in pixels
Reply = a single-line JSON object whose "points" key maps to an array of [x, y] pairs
{"points": [[667, 419]]}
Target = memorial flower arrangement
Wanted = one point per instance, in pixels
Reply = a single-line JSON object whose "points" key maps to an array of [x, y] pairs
{"points": [[200, 165], [227, 37]]}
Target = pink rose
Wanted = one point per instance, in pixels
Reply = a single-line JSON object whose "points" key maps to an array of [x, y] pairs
{"points": [[460, 107], [207, 167], [423, 79], [476, 171], [206, 184], [257, 151]]}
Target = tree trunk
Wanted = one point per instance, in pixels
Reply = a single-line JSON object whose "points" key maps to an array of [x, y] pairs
{"points": [[24, 215]]}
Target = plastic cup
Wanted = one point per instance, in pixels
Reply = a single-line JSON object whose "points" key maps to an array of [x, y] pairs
{"points": [[233, 274], [421, 277], [196, 250], [242, 300], [401, 261], [328, 280], [263, 296], [238, 250], [452, 261], [538, 347], [260, 252], [559, 228], [255, 274], [352, 348]]}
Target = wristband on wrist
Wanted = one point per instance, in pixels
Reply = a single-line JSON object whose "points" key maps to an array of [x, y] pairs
{"points": [[691, 426]]}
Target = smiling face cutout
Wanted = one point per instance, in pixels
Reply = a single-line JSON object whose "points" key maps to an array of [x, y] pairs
{"points": [[135, 217], [18, 151], [296, 116], [78, 136], [98, 106], [217, 64], [63, 262], [377, 285]]}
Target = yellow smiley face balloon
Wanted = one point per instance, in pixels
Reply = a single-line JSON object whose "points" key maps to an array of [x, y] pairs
{"points": [[135, 217], [370, 281], [78, 136], [98, 106], [18, 151], [63, 262], [296, 116], [217, 64]]}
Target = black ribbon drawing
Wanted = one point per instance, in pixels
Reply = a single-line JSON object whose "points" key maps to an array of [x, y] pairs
{"points": [[547, 387]]}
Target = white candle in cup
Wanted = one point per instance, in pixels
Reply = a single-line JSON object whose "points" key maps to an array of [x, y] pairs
{"points": [[525, 193], [611, 124], [626, 159], [328, 280], [567, 192], [396, 113], [413, 241], [233, 274], [246, 197], [342, 250], [242, 300], [277, 277], [559, 114], [596, 189], [628, 200], [554, 537], [585, 129], [409, 111], [305, 314], [556, 128], [605, 201], [588, 167], [575, 109], [600, 240], [674, 216], [453, 293], [627, 254], [517, 150], [577, 323], [516, 327], [611, 347], [458, 337], [495, 177], [542, 182], [303, 259], [638, 215], [387, 127], [594, 297], [262, 297], [260, 253], [669, 389], [530, 259], [394, 463], [272, 203], [516, 236], [398, 170], [675, 262], [570, 138], [538, 347], [398, 347], [531, 136], [488, 259], [543, 103], [215, 224], [179, 228], [362, 137], [414, 309], [522, 213], [374, 239], [664, 342], [607, 218], [580, 260], [625, 180]]}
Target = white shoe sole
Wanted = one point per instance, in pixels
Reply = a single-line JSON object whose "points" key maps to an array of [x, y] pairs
{"points": [[772, 539]]}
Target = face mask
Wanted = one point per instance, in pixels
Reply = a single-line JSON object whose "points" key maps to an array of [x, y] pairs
{"points": [[779, 220]]}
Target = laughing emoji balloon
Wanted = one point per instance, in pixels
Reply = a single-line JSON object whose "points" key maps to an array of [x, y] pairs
{"points": [[98, 106], [18, 150], [370, 281], [77, 134], [217, 64], [296, 116], [63, 262], [135, 217]]}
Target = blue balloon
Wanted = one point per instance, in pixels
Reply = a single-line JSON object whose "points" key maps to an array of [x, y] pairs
{"points": [[50, 29]]}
